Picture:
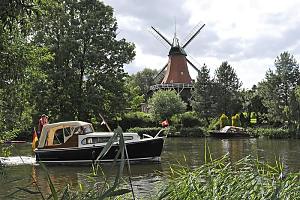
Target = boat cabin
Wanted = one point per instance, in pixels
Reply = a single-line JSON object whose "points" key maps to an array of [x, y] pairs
{"points": [[63, 134], [76, 134]]}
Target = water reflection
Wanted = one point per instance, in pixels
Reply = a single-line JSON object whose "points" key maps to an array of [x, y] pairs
{"points": [[146, 177]]}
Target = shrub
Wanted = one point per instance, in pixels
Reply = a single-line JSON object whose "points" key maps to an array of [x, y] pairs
{"points": [[192, 132], [214, 125], [224, 121], [273, 132], [137, 119], [164, 104], [187, 119], [236, 120], [190, 119]]}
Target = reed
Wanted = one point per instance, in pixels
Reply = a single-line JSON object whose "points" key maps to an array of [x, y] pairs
{"points": [[220, 178]]}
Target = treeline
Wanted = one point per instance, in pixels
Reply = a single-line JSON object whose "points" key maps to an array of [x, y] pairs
{"points": [[64, 59], [61, 58], [274, 102]]}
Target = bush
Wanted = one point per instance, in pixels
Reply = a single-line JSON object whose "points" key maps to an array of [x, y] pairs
{"points": [[190, 119], [137, 119], [236, 120], [278, 133], [192, 132], [224, 121], [187, 120], [215, 124], [164, 104]]}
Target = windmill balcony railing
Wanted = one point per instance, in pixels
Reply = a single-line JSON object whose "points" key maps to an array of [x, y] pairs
{"points": [[171, 86]]}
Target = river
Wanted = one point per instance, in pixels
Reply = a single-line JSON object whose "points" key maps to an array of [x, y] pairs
{"points": [[146, 177]]}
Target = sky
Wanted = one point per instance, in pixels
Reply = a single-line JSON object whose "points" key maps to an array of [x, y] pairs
{"points": [[249, 34]]}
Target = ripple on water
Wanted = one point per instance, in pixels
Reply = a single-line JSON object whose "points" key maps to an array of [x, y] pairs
{"points": [[17, 160]]}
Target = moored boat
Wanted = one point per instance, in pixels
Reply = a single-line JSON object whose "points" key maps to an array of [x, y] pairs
{"points": [[76, 141], [229, 132]]}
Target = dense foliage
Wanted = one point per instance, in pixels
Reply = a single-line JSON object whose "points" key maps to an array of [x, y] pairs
{"points": [[87, 71], [164, 104], [204, 95], [62, 58], [228, 86], [278, 89], [144, 79]]}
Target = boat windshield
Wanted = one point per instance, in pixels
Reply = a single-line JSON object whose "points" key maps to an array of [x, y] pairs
{"points": [[83, 129]]}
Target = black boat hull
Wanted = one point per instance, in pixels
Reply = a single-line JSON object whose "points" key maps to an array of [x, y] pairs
{"points": [[137, 150]]}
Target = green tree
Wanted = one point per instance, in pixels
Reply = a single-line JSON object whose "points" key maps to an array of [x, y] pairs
{"points": [[228, 86], [87, 75], [145, 79], [224, 121], [165, 104], [252, 102], [133, 96], [20, 63], [204, 96], [277, 90]]}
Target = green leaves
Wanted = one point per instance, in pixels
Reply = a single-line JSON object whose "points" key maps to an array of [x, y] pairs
{"points": [[87, 70], [278, 89], [165, 104], [228, 86], [204, 95]]}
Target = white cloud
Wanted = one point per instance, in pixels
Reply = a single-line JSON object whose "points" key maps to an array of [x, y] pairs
{"points": [[249, 34]]}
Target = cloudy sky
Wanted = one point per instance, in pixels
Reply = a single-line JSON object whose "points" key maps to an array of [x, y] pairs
{"points": [[249, 34]]}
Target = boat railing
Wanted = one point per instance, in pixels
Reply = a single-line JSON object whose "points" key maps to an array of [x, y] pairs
{"points": [[147, 136], [157, 134]]}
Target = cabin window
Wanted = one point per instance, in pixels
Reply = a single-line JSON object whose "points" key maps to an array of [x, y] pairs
{"points": [[83, 130], [128, 138], [67, 132], [78, 130], [58, 136], [94, 140], [87, 129]]}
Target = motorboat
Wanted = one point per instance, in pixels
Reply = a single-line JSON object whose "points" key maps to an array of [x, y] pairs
{"points": [[230, 131], [76, 141]]}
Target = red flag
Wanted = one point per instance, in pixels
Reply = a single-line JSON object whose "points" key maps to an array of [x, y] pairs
{"points": [[34, 139], [165, 123]]}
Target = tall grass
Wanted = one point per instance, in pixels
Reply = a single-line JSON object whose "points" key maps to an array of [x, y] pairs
{"points": [[220, 178]]}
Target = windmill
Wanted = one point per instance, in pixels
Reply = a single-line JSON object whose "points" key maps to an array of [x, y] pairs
{"points": [[175, 74]]}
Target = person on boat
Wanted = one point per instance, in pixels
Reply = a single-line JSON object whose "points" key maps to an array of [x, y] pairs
{"points": [[165, 123], [42, 121]]}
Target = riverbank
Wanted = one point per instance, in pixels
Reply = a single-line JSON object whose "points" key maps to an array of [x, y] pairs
{"points": [[171, 131], [274, 133]]}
